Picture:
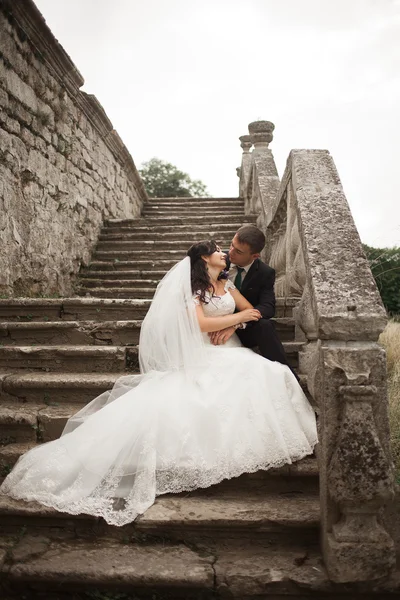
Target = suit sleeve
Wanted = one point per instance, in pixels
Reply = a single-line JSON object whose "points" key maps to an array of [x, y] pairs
{"points": [[266, 304]]}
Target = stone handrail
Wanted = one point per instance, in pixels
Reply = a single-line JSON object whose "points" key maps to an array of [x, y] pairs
{"points": [[314, 246]]}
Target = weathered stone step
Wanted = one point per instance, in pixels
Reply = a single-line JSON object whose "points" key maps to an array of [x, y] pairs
{"points": [[88, 358], [200, 199], [35, 421], [100, 333], [84, 566], [184, 236], [144, 255], [195, 202], [63, 387], [113, 569], [56, 388], [216, 207], [134, 274], [75, 309], [164, 231], [114, 333], [10, 453], [225, 510], [157, 245], [184, 220], [69, 358], [94, 282], [117, 292], [178, 213], [143, 264]]}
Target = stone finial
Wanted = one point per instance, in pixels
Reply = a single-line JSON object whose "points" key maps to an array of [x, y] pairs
{"points": [[261, 134], [246, 143]]}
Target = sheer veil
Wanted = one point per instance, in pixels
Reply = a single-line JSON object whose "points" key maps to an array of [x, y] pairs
{"points": [[170, 337], [170, 340]]}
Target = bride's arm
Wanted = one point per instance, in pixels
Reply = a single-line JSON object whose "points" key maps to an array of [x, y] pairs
{"points": [[241, 302], [208, 324]]}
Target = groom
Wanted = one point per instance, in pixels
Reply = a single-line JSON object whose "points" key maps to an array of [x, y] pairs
{"points": [[255, 280]]}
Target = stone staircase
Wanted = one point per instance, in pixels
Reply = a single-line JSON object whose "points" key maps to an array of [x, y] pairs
{"points": [[252, 537]]}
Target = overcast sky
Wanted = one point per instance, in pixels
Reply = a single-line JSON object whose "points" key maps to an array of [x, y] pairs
{"points": [[181, 80]]}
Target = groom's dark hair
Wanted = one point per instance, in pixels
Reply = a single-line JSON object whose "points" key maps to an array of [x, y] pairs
{"points": [[252, 236]]}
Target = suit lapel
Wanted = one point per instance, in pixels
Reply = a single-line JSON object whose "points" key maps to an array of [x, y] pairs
{"points": [[250, 275]]}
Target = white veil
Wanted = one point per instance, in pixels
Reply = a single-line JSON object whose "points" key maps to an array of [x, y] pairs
{"points": [[170, 340], [170, 337]]}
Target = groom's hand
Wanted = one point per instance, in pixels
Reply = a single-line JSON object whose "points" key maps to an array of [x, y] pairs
{"points": [[221, 337]]}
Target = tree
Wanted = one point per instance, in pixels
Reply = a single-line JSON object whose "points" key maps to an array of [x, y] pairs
{"points": [[163, 180], [385, 267]]}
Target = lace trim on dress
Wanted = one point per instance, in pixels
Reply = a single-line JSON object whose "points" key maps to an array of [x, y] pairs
{"points": [[228, 286]]}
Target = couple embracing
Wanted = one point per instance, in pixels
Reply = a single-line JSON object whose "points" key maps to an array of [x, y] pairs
{"points": [[204, 408]]}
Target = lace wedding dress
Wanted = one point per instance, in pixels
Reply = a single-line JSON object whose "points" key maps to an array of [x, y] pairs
{"points": [[196, 415]]}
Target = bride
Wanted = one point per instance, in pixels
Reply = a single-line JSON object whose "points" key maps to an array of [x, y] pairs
{"points": [[197, 413]]}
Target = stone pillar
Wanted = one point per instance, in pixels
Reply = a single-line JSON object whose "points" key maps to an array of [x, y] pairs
{"points": [[265, 181], [261, 135], [356, 477], [245, 172]]}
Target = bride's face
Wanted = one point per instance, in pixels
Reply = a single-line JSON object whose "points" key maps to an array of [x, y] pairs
{"points": [[216, 260]]}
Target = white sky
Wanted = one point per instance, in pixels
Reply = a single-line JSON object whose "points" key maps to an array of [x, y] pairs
{"points": [[181, 79]]}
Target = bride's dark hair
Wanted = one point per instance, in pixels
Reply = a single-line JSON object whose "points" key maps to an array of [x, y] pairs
{"points": [[199, 276]]}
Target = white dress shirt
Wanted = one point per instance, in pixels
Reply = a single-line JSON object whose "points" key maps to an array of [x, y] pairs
{"points": [[233, 271], [232, 276]]}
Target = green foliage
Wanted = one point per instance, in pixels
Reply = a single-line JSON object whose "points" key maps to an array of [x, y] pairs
{"points": [[163, 180], [385, 267]]}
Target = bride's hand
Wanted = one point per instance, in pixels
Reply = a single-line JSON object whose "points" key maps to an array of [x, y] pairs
{"points": [[249, 314]]}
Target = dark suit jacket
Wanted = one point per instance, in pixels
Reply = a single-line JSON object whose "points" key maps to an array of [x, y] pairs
{"points": [[258, 287]]}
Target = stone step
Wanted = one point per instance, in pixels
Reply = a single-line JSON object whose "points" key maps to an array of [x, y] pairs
{"points": [[10, 453], [194, 212], [172, 570], [227, 511], [34, 422], [69, 358], [185, 236], [134, 274], [212, 220], [63, 387], [116, 292], [231, 212], [75, 309], [89, 358], [95, 282], [154, 256], [143, 264], [164, 231], [200, 199], [155, 246], [176, 208], [56, 388], [100, 333], [194, 202]]}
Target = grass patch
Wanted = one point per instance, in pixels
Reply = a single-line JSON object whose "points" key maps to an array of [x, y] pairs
{"points": [[390, 339]]}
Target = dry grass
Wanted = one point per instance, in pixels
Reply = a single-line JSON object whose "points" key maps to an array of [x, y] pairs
{"points": [[390, 339]]}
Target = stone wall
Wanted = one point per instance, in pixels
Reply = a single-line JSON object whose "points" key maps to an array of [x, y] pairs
{"points": [[63, 169]]}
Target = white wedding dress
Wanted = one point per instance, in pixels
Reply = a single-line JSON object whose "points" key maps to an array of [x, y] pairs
{"points": [[196, 415]]}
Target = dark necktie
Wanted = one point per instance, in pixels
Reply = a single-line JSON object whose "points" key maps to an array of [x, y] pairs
{"points": [[238, 278]]}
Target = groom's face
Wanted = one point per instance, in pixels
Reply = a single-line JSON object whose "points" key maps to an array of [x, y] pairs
{"points": [[240, 254]]}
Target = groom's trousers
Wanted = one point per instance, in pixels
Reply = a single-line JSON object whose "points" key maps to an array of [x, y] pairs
{"points": [[263, 334]]}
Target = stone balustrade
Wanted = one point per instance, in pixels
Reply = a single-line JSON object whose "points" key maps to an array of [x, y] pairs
{"points": [[313, 244], [63, 168]]}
